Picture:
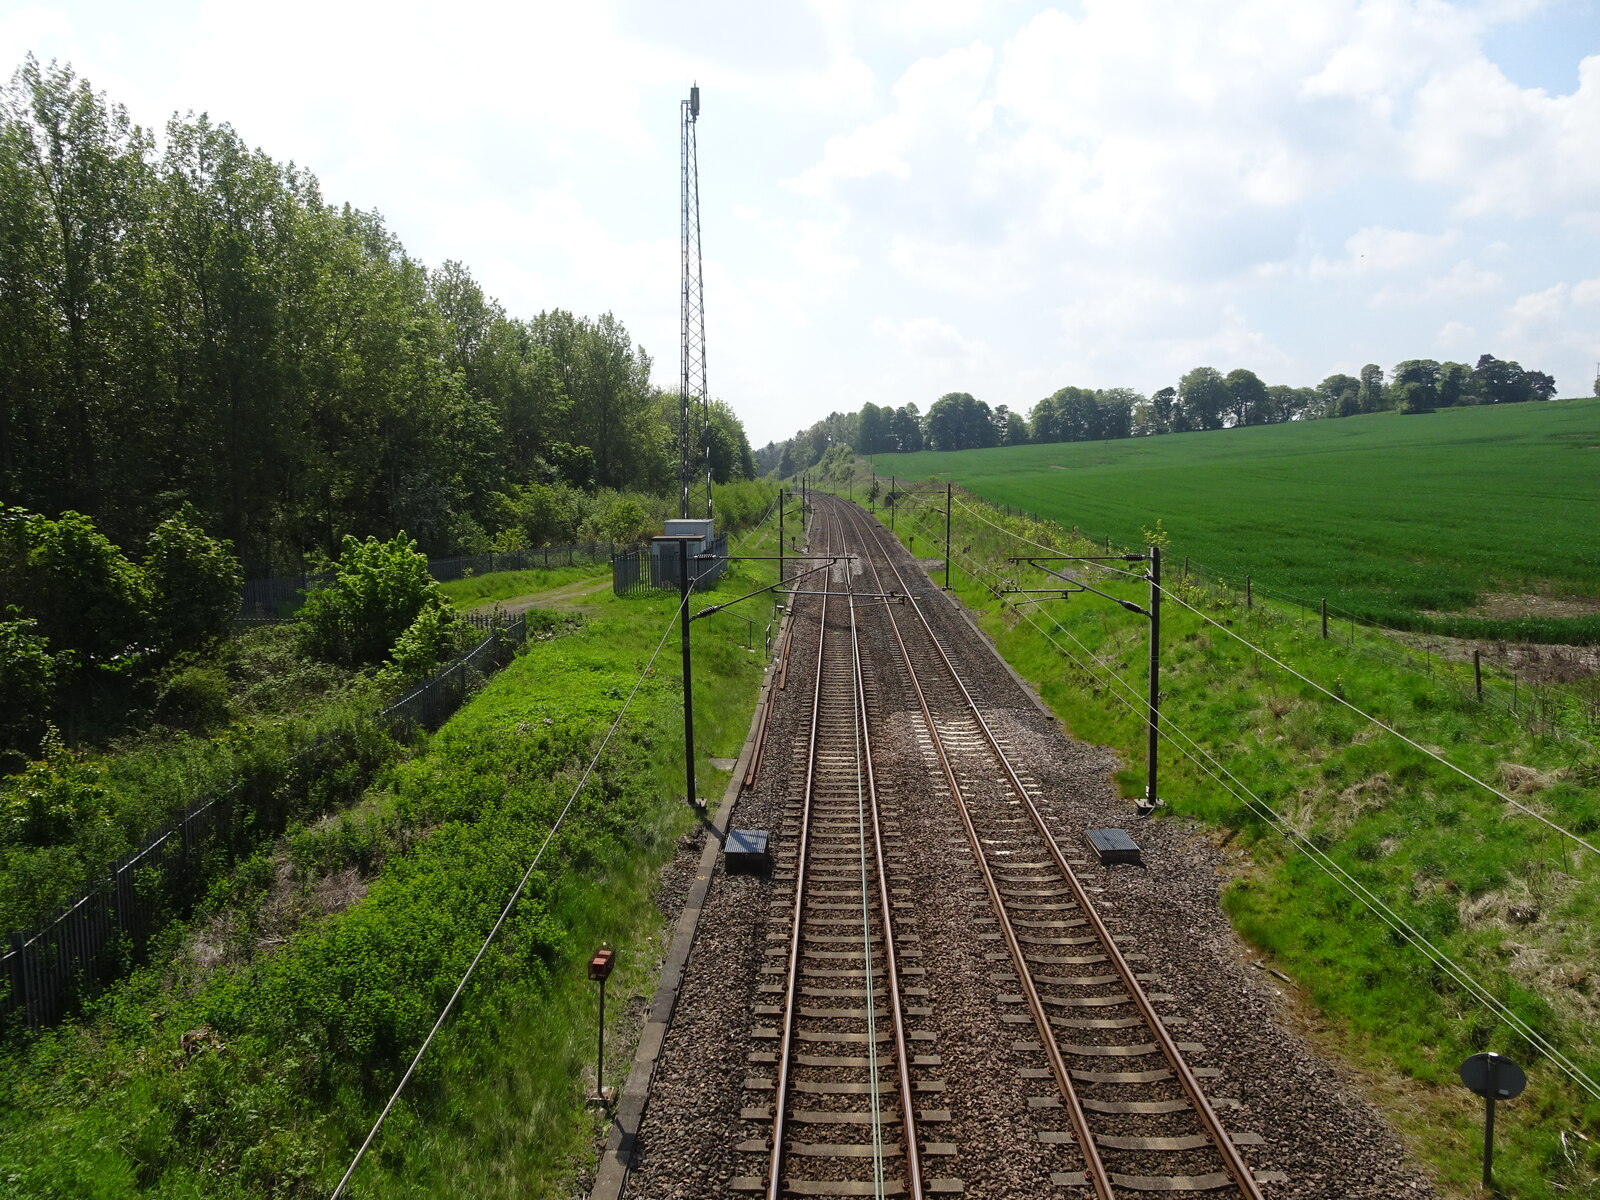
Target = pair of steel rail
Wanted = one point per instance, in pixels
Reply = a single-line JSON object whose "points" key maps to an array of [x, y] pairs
{"points": [[906, 1175]]}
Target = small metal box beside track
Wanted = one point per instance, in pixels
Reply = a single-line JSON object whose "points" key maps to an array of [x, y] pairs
{"points": [[1114, 846], [746, 851]]}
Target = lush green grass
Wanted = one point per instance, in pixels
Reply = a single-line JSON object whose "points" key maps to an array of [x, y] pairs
{"points": [[318, 1028], [1388, 517], [1500, 894]]}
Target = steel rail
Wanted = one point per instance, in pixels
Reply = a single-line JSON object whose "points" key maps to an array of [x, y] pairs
{"points": [[1233, 1162], [913, 1152], [780, 1102], [1096, 1170], [774, 1189]]}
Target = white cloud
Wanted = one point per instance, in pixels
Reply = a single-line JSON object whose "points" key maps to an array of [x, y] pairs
{"points": [[1509, 150], [1376, 250], [1462, 281]]}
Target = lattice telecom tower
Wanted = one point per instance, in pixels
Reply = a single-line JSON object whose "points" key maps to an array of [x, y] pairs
{"points": [[694, 469]]}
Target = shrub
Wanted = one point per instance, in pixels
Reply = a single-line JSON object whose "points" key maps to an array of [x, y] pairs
{"points": [[379, 589], [54, 798], [194, 583], [741, 503], [195, 698], [27, 682], [550, 512], [625, 521], [436, 636]]}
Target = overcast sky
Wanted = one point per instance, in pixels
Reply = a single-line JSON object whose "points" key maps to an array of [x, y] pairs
{"points": [[901, 199]]}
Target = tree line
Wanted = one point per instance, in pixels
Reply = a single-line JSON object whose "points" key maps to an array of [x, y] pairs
{"points": [[196, 325], [1204, 398]]}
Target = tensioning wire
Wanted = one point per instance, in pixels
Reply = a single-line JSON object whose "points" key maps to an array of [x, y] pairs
{"points": [[1174, 596], [1054, 551], [1241, 792], [506, 911], [1463, 772], [1210, 765]]}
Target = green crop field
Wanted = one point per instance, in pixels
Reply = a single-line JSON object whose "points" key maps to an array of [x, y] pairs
{"points": [[1477, 522]]}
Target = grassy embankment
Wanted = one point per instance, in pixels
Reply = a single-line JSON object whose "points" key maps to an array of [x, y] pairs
{"points": [[1404, 520], [1515, 905], [250, 1059]]}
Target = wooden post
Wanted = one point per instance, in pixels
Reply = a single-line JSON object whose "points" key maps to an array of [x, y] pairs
{"points": [[1324, 616], [1249, 595], [1477, 674]]}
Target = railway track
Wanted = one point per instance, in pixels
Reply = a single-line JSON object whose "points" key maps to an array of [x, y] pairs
{"points": [[1116, 1096], [843, 1101]]}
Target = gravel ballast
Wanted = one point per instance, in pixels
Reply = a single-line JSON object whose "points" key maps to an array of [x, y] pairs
{"points": [[1318, 1137]]}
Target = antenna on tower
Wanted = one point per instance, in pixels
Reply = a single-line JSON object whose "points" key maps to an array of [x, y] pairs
{"points": [[694, 477]]}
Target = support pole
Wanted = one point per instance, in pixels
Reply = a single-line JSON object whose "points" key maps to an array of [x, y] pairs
{"points": [[892, 504], [1249, 594], [1477, 674], [1151, 795], [947, 490], [1488, 1131], [688, 683], [1324, 618], [600, 1050], [781, 546]]}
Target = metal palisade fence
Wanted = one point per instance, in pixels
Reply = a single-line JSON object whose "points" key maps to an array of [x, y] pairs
{"points": [[641, 571], [105, 930]]}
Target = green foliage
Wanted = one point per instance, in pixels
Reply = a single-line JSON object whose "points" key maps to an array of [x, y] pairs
{"points": [[196, 698], [257, 1075], [194, 583], [27, 681], [251, 711], [957, 421], [56, 798], [625, 521], [742, 503], [1333, 509], [86, 596], [435, 637], [193, 321], [379, 590]]}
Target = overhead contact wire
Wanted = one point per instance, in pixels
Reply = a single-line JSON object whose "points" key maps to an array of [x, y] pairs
{"points": [[1241, 792], [506, 911]]}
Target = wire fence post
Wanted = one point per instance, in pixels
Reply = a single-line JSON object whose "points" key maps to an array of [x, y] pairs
{"points": [[1151, 796], [1324, 618], [1477, 674], [1249, 594]]}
